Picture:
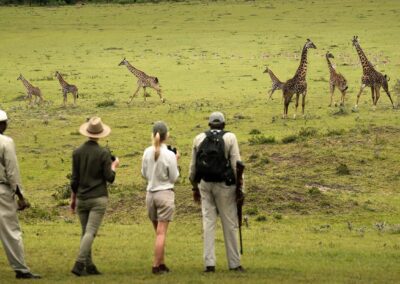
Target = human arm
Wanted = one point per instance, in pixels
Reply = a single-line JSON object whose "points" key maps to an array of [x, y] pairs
{"points": [[109, 167], [192, 174], [73, 201], [75, 174], [11, 167], [173, 172]]}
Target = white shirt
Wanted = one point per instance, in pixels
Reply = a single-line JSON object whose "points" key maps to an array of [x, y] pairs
{"points": [[160, 174]]}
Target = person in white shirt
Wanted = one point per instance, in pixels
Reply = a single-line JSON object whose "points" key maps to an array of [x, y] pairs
{"points": [[160, 169]]}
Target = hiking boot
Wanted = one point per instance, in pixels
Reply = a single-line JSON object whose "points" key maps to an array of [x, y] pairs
{"points": [[156, 270], [238, 269], [164, 268], [79, 269], [26, 275], [209, 269], [92, 270]]}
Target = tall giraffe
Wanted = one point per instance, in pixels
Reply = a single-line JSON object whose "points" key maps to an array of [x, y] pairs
{"points": [[276, 83], [31, 91], [67, 88], [144, 81], [371, 77], [336, 80], [298, 84]]}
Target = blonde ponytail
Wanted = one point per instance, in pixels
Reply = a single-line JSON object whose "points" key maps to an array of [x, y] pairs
{"points": [[156, 144]]}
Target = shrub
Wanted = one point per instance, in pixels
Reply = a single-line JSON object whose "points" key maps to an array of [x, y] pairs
{"points": [[289, 139], [261, 139], [342, 169], [261, 218], [252, 211], [255, 132], [106, 103], [308, 132]]}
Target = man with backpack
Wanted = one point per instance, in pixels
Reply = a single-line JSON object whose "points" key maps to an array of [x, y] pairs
{"points": [[213, 174]]}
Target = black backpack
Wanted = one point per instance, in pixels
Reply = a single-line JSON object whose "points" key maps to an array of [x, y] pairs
{"points": [[211, 164]]}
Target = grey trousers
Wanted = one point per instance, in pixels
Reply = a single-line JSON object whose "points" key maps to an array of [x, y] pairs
{"points": [[10, 231], [218, 198], [91, 213]]}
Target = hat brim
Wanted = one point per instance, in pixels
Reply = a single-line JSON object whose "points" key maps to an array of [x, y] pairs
{"points": [[83, 130]]}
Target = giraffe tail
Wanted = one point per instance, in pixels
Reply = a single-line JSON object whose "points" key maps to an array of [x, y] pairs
{"points": [[77, 95]]}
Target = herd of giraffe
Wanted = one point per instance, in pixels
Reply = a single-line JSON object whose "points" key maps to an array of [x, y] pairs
{"points": [[298, 84], [294, 86]]}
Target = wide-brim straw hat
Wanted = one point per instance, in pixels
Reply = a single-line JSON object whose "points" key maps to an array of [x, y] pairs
{"points": [[94, 128]]}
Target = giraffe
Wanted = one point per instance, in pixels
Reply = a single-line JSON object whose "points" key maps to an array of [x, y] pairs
{"points": [[67, 88], [276, 83], [371, 77], [298, 84], [336, 80], [31, 91], [144, 81]]}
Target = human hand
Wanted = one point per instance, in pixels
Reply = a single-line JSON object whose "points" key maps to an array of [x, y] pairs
{"points": [[177, 155], [73, 205], [196, 195], [115, 164], [23, 204]]}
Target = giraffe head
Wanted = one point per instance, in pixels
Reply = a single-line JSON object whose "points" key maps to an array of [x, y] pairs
{"points": [[20, 77], [266, 70], [57, 74], [329, 55], [123, 62], [355, 41], [310, 44]]}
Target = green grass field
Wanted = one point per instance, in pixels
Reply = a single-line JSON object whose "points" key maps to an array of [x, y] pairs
{"points": [[322, 190]]}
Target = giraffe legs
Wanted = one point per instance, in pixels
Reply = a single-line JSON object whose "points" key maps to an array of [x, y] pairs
{"points": [[144, 93], [332, 89], [342, 98], [160, 95], [359, 94], [134, 94], [65, 98], [377, 95], [297, 104], [303, 101], [75, 96], [287, 97]]}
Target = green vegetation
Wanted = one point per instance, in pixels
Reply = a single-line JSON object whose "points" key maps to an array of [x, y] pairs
{"points": [[327, 186]]}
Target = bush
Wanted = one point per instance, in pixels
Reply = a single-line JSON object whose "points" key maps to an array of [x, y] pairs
{"points": [[255, 132], [308, 132], [289, 139], [106, 103], [342, 169], [261, 218], [261, 139]]}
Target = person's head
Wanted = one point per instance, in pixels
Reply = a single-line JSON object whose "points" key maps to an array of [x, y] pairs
{"points": [[160, 134], [94, 129], [216, 120], [3, 121]]}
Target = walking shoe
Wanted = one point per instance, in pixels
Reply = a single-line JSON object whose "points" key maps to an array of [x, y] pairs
{"points": [[210, 269], [92, 270], [163, 267], [26, 275], [238, 269], [156, 270], [79, 269]]}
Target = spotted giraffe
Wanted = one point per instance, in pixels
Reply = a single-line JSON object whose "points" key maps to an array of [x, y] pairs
{"points": [[144, 81], [31, 91], [336, 80], [298, 84], [276, 83], [371, 77], [67, 88]]}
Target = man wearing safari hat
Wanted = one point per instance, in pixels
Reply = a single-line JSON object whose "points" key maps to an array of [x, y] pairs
{"points": [[92, 167], [213, 174], [10, 185]]}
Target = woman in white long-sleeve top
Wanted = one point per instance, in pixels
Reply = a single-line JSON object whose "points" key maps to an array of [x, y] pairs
{"points": [[160, 169]]}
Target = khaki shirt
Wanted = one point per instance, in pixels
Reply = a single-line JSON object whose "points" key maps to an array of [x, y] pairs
{"points": [[9, 170], [231, 152]]}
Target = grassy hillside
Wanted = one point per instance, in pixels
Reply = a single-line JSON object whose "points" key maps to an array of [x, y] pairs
{"points": [[308, 176]]}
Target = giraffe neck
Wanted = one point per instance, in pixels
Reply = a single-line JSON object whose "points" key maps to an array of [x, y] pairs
{"points": [[134, 71], [302, 70], [63, 83], [366, 65], [26, 83], [331, 69], [273, 77]]}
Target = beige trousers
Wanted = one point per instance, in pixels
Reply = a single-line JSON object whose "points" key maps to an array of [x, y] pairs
{"points": [[10, 231], [218, 198]]}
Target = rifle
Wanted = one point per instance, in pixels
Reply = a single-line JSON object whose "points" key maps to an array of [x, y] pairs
{"points": [[239, 198], [22, 202]]}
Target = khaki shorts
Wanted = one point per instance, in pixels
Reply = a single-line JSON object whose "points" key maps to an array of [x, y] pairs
{"points": [[160, 205]]}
